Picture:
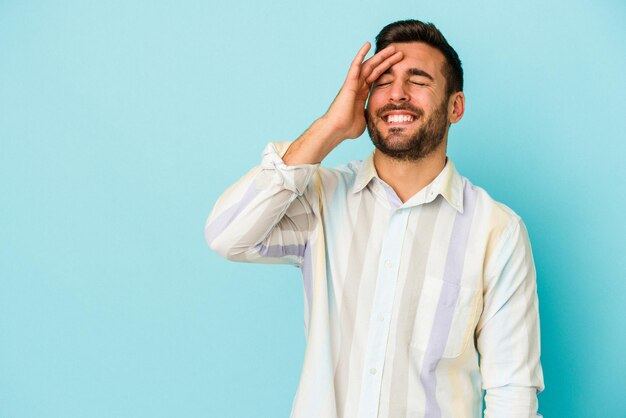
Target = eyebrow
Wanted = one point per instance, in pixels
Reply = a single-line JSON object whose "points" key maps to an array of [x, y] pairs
{"points": [[413, 71], [417, 71]]}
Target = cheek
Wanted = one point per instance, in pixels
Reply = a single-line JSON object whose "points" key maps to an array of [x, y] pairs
{"points": [[378, 94], [374, 102], [423, 98]]}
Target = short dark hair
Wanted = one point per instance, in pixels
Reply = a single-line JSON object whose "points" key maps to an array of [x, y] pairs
{"points": [[413, 30]]}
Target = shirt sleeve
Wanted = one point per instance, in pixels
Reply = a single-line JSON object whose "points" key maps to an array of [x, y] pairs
{"points": [[267, 215], [508, 336]]}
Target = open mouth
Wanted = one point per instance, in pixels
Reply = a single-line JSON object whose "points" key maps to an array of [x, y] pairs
{"points": [[399, 119]]}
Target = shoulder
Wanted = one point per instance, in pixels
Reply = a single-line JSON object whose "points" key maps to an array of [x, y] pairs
{"points": [[498, 230], [490, 213], [347, 170], [344, 174]]}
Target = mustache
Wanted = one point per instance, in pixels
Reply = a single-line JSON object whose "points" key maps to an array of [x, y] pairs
{"points": [[406, 106]]}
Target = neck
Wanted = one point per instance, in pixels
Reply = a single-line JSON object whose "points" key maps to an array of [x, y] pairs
{"points": [[407, 178]]}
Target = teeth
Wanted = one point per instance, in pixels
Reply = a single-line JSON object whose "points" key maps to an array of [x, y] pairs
{"points": [[399, 118]]}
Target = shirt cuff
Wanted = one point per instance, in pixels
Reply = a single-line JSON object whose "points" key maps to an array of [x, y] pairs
{"points": [[292, 177]]}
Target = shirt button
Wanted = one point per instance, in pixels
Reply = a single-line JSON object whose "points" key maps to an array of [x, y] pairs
{"points": [[372, 371], [381, 318], [388, 264]]}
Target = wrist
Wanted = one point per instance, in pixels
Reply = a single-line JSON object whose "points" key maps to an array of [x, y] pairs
{"points": [[328, 132], [314, 144]]}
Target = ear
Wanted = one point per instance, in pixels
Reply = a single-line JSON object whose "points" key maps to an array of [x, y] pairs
{"points": [[456, 106]]}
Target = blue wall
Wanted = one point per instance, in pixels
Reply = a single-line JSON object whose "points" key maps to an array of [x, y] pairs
{"points": [[121, 123]]}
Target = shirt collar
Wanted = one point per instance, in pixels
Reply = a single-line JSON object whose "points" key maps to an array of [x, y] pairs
{"points": [[448, 183]]}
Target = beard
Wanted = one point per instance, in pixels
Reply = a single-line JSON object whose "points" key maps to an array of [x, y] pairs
{"points": [[419, 144]]}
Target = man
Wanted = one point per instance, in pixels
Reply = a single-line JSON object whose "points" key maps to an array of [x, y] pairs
{"points": [[419, 288]]}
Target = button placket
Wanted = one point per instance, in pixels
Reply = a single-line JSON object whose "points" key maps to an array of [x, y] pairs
{"points": [[379, 323]]}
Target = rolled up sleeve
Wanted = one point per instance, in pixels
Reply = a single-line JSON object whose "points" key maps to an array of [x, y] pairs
{"points": [[265, 216]]}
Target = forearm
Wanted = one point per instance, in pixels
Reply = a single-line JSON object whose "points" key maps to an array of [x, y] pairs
{"points": [[314, 144]]}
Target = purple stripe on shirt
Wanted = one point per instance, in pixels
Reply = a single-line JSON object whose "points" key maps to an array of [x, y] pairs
{"points": [[307, 276], [219, 224], [447, 301], [281, 250]]}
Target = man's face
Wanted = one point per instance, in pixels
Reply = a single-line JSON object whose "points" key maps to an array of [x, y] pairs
{"points": [[407, 111]]}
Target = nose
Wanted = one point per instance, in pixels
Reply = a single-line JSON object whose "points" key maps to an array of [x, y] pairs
{"points": [[398, 91]]}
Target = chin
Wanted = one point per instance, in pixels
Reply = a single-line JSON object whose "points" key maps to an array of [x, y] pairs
{"points": [[395, 136]]}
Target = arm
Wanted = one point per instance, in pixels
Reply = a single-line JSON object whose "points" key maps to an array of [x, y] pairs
{"points": [[508, 336], [267, 215]]}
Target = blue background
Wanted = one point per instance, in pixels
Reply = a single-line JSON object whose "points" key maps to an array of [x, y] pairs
{"points": [[121, 122]]}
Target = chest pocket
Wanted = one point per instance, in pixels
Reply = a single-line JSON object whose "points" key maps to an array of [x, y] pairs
{"points": [[446, 317]]}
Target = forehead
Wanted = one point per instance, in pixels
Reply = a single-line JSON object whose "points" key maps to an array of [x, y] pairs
{"points": [[419, 55]]}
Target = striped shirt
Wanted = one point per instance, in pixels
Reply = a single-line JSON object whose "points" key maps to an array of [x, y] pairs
{"points": [[410, 309]]}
